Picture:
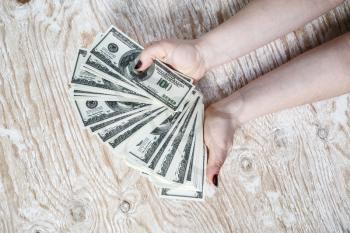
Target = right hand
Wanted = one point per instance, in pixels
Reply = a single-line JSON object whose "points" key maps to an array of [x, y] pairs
{"points": [[182, 55]]}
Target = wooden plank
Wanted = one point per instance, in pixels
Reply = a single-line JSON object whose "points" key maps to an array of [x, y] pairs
{"points": [[288, 172]]}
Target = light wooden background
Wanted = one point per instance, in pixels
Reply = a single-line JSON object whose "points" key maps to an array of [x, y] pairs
{"points": [[288, 172]]}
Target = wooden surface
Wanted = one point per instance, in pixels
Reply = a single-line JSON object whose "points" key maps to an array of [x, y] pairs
{"points": [[288, 172]]}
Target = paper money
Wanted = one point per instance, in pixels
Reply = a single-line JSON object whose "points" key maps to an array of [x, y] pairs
{"points": [[119, 52], [152, 120]]}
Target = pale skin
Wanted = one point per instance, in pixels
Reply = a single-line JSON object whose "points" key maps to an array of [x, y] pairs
{"points": [[318, 74]]}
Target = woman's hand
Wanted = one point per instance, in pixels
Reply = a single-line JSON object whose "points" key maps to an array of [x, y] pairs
{"points": [[218, 136], [182, 55], [221, 121]]}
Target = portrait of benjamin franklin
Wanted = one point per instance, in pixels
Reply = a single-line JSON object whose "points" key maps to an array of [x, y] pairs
{"points": [[127, 64], [122, 106]]}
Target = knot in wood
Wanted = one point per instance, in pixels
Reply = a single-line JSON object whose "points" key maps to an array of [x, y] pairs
{"points": [[322, 133], [124, 206], [280, 138], [246, 164], [23, 1], [78, 213]]}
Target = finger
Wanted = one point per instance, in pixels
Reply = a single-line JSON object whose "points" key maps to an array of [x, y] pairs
{"points": [[158, 50], [213, 167]]}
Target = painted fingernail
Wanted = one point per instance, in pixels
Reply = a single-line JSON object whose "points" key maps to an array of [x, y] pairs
{"points": [[215, 180], [138, 65]]}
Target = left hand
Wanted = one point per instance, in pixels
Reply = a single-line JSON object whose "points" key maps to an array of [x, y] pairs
{"points": [[219, 128]]}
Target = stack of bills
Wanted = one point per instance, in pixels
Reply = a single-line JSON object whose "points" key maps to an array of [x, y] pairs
{"points": [[152, 119]]}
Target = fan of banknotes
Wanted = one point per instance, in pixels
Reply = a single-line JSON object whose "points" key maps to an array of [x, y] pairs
{"points": [[153, 120]]}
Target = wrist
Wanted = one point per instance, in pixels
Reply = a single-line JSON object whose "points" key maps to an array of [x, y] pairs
{"points": [[230, 108], [204, 51]]}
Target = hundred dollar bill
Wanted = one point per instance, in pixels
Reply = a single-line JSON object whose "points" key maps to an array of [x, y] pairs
{"points": [[187, 185], [120, 52], [180, 150], [96, 96], [147, 127], [178, 193], [151, 120], [83, 79], [80, 93], [181, 192], [190, 171], [177, 170], [169, 152], [111, 121], [99, 68], [94, 112], [185, 77], [143, 148], [114, 129], [89, 97], [158, 156], [141, 165], [196, 170]]}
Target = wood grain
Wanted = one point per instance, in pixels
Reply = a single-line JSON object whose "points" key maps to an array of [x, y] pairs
{"points": [[288, 172]]}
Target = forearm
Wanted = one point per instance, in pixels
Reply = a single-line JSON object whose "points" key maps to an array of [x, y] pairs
{"points": [[321, 73], [260, 22]]}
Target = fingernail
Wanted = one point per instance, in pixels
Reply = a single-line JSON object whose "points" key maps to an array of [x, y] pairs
{"points": [[138, 65], [215, 180]]}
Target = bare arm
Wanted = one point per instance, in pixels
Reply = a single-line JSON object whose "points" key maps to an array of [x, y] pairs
{"points": [[260, 22], [321, 73]]}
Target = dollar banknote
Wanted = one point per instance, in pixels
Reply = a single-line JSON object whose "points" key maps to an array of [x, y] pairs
{"points": [[119, 52], [151, 120]]}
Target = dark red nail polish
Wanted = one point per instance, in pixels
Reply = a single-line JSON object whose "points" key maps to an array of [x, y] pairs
{"points": [[215, 180], [138, 65]]}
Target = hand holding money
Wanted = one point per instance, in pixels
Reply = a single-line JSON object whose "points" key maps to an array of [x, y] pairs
{"points": [[152, 119], [183, 55]]}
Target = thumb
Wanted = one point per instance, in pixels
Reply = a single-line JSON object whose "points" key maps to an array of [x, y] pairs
{"points": [[214, 165], [158, 50]]}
